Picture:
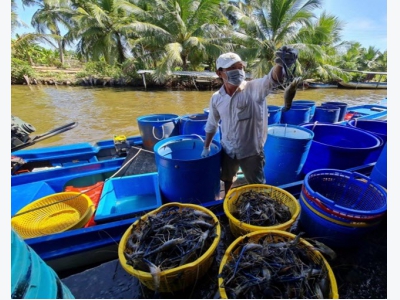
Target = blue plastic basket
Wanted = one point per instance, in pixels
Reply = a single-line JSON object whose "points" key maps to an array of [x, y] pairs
{"points": [[347, 192], [332, 234], [337, 217]]}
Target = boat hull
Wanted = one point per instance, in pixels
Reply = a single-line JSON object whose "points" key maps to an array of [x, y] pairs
{"points": [[362, 85]]}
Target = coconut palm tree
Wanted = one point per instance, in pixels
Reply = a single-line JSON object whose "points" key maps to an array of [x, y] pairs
{"points": [[103, 27], [320, 53], [369, 59], [15, 21], [53, 16], [266, 25], [186, 34]]}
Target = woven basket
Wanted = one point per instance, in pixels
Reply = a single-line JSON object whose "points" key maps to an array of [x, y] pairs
{"points": [[275, 236], [351, 194], [178, 278], [53, 214], [239, 227]]}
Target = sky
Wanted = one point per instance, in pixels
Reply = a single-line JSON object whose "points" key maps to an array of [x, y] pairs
{"points": [[365, 21]]}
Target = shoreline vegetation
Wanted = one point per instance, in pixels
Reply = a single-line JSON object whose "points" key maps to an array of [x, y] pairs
{"points": [[101, 43], [68, 77]]}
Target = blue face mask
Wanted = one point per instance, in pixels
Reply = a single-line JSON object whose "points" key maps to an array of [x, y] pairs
{"points": [[235, 77]]}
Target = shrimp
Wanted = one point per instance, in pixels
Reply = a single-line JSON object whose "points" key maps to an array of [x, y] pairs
{"points": [[290, 92]]}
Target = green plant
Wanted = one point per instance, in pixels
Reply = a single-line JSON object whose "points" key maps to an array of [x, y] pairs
{"points": [[19, 68], [100, 69]]}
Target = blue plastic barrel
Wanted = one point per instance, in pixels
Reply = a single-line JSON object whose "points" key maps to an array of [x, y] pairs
{"points": [[31, 277], [341, 105], [326, 114], [296, 115], [274, 114], [309, 103], [286, 150], [338, 147], [154, 128], [193, 124], [184, 176], [206, 111], [379, 172]]}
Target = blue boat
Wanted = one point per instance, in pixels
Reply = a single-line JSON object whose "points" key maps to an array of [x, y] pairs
{"points": [[83, 165]]}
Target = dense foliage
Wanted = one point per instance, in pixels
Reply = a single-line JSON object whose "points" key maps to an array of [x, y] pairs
{"points": [[117, 37]]}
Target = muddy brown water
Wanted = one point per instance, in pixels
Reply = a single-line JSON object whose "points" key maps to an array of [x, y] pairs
{"points": [[102, 113]]}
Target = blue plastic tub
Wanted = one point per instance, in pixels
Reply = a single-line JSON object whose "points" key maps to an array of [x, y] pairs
{"points": [[338, 147], [193, 124], [312, 104], [296, 115], [125, 197], [274, 114], [286, 150], [379, 172], [31, 277], [326, 114], [377, 127], [184, 175], [154, 128], [341, 105]]}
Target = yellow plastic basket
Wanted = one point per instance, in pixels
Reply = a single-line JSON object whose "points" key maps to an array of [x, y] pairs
{"points": [[274, 236], [53, 214], [238, 227], [177, 278]]}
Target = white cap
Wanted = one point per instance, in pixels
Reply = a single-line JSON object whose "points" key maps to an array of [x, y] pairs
{"points": [[228, 59]]}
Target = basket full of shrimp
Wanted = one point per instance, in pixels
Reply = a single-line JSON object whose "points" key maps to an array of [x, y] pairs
{"points": [[275, 264], [254, 207], [171, 247]]}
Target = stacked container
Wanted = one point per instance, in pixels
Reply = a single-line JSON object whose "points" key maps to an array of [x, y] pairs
{"points": [[339, 207]]}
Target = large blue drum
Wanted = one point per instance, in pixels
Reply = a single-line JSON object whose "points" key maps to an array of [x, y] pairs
{"points": [[184, 176], [286, 151]]}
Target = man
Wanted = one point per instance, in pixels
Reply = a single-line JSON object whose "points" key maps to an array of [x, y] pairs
{"points": [[242, 108]]}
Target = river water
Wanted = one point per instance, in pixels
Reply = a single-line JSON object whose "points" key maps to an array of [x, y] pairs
{"points": [[102, 113]]}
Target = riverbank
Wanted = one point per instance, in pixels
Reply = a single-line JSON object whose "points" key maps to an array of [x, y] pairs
{"points": [[52, 76]]}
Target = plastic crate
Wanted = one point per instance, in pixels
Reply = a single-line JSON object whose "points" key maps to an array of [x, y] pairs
{"points": [[124, 197]]}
